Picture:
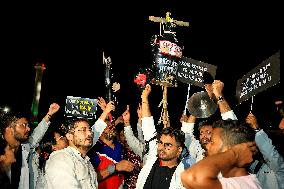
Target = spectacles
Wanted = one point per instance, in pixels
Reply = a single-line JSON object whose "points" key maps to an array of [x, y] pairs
{"points": [[84, 130], [59, 138], [23, 124], [205, 132]]}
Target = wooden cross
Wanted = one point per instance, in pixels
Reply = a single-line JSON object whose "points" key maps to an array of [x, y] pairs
{"points": [[168, 19]]}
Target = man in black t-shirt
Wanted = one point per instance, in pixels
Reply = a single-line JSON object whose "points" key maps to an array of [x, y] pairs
{"points": [[163, 167]]}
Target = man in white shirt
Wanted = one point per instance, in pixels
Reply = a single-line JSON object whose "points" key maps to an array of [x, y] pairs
{"points": [[70, 167]]}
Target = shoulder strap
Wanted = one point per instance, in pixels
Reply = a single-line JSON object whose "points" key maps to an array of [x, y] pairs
{"points": [[257, 167]]}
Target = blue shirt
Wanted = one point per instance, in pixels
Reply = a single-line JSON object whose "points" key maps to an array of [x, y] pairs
{"points": [[271, 173]]}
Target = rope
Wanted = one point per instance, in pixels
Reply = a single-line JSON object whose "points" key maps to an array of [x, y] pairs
{"points": [[164, 113]]}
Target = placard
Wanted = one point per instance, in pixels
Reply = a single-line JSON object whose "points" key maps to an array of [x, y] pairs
{"points": [[191, 71], [260, 78], [80, 107]]}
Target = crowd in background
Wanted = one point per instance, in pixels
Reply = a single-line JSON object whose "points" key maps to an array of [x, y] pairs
{"points": [[114, 152]]}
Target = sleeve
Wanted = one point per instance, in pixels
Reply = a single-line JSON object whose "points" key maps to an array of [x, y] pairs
{"points": [[135, 145], [229, 115], [38, 133], [193, 145], [272, 157], [60, 173], [140, 132], [149, 131], [98, 128]]}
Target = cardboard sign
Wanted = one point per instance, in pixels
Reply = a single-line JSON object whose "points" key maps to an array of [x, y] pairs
{"points": [[262, 77], [80, 107], [165, 66], [191, 71]]}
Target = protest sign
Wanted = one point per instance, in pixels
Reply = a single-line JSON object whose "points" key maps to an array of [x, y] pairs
{"points": [[80, 107], [191, 71], [260, 78]]}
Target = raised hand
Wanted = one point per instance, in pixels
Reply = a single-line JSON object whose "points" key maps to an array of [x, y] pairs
{"points": [[126, 116], [146, 91], [119, 120], [217, 87], [145, 103], [252, 121], [115, 87], [183, 118], [110, 107], [53, 108], [102, 103]]}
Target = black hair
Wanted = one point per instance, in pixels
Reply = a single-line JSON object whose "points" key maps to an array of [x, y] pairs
{"points": [[70, 123], [178, 134], [179, 137], [119, 127], [6, 119], [45, 150], [207, 78], [48, 140], [203, 123]]}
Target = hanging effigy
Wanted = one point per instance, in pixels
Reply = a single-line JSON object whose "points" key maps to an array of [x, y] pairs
{"points": [[166, 52]]}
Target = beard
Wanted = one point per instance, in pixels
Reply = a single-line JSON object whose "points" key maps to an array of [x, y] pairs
{"points": [[110, 135], [204, 142], [21, 138], [83, 147], [80, 144], [162, 155]]}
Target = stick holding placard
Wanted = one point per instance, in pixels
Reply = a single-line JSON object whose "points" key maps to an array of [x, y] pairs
{"points": [[187, 97], [251, 104]]}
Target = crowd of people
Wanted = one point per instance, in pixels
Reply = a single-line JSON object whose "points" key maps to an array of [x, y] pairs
{"points": [[226, 152]]}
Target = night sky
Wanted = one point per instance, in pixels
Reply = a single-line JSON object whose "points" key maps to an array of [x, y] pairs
{"points": [[70, 39]]}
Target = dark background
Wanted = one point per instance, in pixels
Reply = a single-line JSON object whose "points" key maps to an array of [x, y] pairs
{"points": [[70, 39]]}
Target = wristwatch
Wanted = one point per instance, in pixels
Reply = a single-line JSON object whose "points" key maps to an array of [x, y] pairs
{"points": [[220, 99], [111, 169], [257, 130]]}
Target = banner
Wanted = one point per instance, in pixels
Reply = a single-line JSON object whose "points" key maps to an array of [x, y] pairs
{"points": [[80, 107], [191, 71], [262, 77]]}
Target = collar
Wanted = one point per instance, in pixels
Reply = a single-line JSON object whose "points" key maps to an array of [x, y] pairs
{"points": [[77, 153]]}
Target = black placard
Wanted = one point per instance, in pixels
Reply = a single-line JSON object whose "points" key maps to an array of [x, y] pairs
{"points": [[191, 71], [80, 107], [260, 78]]}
